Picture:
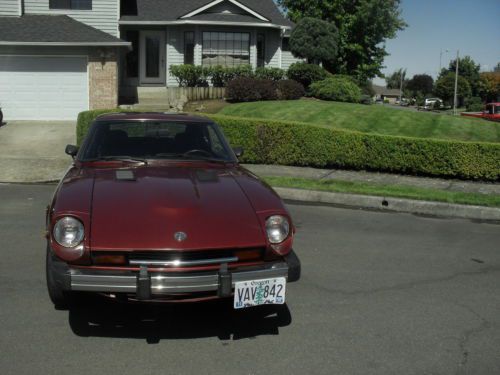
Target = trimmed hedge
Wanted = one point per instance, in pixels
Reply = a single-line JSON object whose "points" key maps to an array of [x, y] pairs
{"points": [[289, 143], [246, 89], [337, 88]]}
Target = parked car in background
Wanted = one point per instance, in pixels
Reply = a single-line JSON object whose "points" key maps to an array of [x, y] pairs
{"points": [[430, 103], [157, 207], [491, 112]]}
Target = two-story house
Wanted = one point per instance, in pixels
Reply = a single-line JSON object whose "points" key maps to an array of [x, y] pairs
{"points": [[59, 57]]}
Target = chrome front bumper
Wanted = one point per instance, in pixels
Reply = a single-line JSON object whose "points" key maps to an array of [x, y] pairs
{"points": [[94, 281], [147, 284]]}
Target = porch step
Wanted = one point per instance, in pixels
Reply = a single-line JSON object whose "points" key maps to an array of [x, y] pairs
{"points": [[151, 94]]}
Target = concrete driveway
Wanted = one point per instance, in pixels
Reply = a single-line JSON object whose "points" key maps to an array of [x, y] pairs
{"points": [[33, 151]]}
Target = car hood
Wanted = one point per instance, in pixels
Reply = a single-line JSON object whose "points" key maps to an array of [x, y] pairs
{"points": [[143, 208]]}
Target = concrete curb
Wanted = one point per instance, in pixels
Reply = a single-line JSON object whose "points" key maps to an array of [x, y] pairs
{"points": [[391, 204]]}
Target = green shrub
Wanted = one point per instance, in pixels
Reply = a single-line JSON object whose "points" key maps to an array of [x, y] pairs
{"points": [[306, 74], [274, 74], [366, 99], [474, 104], [289, 89], [247, 89], [288, 143], [218, 75], [190, 75], [337, 88]]}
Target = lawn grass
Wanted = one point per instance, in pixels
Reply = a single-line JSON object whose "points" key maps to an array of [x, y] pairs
{"points": [[398, 191], [379, 119]]}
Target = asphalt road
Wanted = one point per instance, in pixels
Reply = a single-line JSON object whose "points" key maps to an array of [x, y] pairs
{"points": [[380, 294]]}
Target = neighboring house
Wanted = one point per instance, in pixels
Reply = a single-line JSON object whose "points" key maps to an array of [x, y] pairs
{"points": [[385, 94], [59, 57]]}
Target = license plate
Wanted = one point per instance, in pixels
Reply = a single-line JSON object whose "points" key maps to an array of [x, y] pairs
{"points": [[259, 292]]}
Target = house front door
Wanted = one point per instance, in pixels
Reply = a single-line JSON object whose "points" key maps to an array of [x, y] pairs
{"points": [[152, 67]]}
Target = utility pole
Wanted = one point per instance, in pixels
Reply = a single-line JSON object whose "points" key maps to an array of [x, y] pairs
{"points": [[401, 78], [456, 86]]}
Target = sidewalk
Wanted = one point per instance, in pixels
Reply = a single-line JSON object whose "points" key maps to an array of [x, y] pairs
{"points": [[386, 202], [374, 177]]}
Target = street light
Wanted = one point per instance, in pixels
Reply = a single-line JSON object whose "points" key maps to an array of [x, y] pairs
{"points": [[440, 59]]}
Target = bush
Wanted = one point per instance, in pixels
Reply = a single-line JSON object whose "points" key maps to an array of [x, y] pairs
{"points": [[337, 88], [218, 75], [474, 104], [290, 90], [274, 74], [190, 75], [288, 143], [246, 89], [366, 99], [306, 74]]}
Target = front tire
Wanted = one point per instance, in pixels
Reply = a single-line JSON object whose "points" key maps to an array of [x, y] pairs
{"points": [[58, 296]]}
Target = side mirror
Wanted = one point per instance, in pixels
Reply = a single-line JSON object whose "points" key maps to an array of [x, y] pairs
{"points": [[71, 150], [238, 151]]}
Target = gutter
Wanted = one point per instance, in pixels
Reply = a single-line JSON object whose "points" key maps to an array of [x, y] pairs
{"points": [[193, 22], [68, 44]]}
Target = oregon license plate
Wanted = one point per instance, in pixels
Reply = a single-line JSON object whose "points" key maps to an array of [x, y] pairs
{"points": [[259, 292]]}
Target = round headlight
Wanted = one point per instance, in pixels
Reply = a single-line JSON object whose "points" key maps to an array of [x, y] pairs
{"points": [[277, 228], [68, 232]]}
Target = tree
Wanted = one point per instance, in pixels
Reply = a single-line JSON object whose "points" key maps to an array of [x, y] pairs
{"points": [[490, 86], [468, 69], [496, 69], [364, 26], [420, 83], [395, 79], [445, 88], [315, 40]]}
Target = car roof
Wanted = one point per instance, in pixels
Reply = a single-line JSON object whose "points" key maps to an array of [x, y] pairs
{"points": [[152, 116]]}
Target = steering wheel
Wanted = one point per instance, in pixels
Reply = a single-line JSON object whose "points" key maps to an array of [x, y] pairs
{"points": [[197, 151]]}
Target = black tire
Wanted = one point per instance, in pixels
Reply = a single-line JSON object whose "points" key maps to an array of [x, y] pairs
{"points": [[57, 295], [1, 117]]}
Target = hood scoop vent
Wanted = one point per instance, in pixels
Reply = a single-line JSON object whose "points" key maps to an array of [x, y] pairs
{"points": [[125, 175]]}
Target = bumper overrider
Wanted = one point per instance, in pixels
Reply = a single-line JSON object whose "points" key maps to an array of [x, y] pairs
{"points": [[146, 285]]}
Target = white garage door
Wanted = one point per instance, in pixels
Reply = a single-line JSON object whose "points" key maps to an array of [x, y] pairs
{"points": [[43, 88]]}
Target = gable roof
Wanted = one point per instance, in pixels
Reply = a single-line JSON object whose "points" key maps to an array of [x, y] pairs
{"points": [[53, 30], [381, 90], [169, 11]]}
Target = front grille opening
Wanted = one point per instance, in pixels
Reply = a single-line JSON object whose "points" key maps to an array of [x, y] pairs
{"points": [[178, 259]]}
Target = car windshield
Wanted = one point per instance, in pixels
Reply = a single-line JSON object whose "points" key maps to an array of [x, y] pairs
{"points": [[142, 140]]}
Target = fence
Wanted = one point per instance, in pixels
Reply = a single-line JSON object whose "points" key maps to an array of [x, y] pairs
{"points": [[195, 93]]}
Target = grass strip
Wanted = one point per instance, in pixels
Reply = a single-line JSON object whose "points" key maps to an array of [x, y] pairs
{"points": [[397, 191]]}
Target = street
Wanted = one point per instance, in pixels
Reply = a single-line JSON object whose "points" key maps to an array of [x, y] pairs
{"points": [[380, 293]]}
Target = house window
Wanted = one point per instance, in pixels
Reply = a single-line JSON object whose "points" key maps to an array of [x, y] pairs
{"points": [[226, 49], [71, 4], [261, 50], [132, 57], [189, 47], [285, 45]]}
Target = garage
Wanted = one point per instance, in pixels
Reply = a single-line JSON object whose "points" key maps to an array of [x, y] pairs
{"points": [[43, 87]]}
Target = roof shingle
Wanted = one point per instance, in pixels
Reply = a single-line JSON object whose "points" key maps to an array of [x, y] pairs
{"points": [[173, 10], [52, 29]]}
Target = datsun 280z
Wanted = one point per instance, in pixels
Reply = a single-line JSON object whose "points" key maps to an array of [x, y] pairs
{"points": [[156, 207]]}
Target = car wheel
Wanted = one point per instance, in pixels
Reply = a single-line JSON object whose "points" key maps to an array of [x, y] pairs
{"points": [[57, 295]]}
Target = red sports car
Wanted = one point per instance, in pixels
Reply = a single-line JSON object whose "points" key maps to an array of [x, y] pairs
{"points": [[157, 207]]}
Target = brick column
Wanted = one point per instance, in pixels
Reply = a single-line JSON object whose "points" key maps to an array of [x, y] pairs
{"points": [[103, 78]]}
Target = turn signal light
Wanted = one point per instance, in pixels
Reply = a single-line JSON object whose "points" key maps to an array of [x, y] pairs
{"points": [[247, 255], [109, 259]]}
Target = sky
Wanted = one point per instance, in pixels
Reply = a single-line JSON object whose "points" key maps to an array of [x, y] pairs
{"points": [[471, 26]]}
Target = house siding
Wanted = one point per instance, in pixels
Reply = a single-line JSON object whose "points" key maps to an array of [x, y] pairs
{"points": [[9, 7], [103, 16], [287, 59], [273, 48]]}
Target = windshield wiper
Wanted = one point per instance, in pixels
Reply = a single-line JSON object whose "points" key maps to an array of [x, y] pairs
{"points": [[191, 157], [125, 158]]}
